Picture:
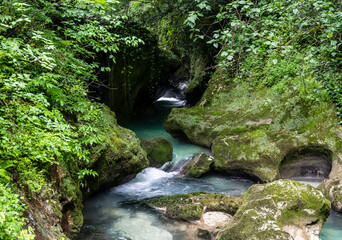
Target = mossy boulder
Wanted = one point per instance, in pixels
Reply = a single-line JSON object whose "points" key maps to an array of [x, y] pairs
{"points": [[119, 155], [198, 165], [159, 151], [252, 132], [191, 206], [282, 209]]}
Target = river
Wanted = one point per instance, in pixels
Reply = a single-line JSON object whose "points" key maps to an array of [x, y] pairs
{"points": [[117, 213]]}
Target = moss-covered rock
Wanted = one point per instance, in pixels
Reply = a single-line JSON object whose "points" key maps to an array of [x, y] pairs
{"points": [[159, 151], [278, 210], [191, 206], [252, 132], [282, 209], [198, 165], [119, 155], [55, 211]]}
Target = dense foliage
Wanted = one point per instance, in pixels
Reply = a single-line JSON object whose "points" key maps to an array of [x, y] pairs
{"points": [[47, 52], [293, 44], [296, 44]]}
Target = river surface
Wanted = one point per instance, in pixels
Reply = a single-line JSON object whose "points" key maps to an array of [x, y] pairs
{"points": [[117, 213]]}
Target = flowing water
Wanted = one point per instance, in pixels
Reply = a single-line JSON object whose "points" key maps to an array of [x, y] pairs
{"points": [[117, 213]]}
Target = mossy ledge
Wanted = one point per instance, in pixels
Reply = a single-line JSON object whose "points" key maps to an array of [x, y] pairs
{"points": [[191, 206]]}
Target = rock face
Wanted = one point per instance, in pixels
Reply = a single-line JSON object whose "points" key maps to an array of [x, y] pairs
{"points": [[255, 132], [159, 151], [283, 209], [198, 165]]}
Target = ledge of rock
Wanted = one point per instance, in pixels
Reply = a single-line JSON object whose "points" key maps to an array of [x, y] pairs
{"points": [[283, 209], [192, 206]]}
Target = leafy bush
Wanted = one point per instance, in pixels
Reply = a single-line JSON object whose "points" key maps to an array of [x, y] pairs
{"points": [[11, 221], [294, 39]]}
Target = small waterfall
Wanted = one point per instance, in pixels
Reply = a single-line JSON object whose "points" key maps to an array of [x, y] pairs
{"points": [[169, 97], [176, 165], [172, 96]]}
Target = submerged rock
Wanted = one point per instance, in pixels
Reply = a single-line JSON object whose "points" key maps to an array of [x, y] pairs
{"points": [[159, 151], [283, 209], [198, 165]]}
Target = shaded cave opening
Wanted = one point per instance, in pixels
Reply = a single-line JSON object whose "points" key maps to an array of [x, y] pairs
{"points": [[308, 164]]}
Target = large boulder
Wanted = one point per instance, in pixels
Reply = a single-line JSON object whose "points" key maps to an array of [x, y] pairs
{"points": [[283, 209], [159, 151], [332, 187], [257, 132], [118, 156]]}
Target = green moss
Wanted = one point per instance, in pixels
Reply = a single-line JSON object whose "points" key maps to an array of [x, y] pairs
{"points": [[159, 151], [190, 206], [252, 131], [198, 165], [119, 154], [268, 207]]}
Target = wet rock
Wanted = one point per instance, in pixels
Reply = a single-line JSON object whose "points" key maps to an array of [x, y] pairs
{"points": [[192, 206], [119, 155], [159, 151], [332, 187], [204, 234], [283, 209], [198, 165]]}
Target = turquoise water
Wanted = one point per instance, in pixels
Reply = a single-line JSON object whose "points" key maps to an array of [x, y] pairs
{"points": [[118, 215], [332, 228], [149, 127]]}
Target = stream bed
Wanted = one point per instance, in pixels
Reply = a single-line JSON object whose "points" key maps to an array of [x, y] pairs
{"points": [[117, 213]]}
